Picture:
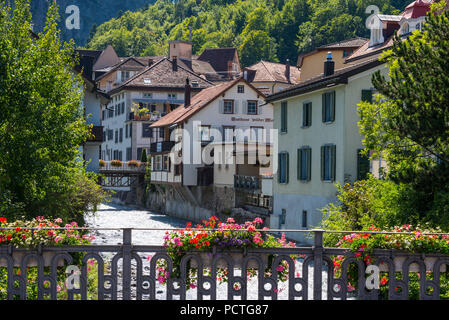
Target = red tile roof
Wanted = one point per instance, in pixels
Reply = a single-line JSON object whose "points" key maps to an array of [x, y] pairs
{"points": [[198, 102]]}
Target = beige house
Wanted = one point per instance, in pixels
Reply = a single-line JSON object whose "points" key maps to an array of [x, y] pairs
{"points": [[311, 64]]}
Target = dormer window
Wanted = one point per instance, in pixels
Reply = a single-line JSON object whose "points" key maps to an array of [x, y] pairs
{"points": [[405, 29], [195, 83], [146, 80], [147, 95]]}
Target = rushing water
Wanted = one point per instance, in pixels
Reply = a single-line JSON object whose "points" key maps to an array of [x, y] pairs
{"points": [[119, 216]]}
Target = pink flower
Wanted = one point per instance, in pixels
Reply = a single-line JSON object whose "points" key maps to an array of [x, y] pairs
{"points": [[280, 268], [230, 220], [58, 239], [149, 258], [58, 220], [192, 286], [258, 220]]}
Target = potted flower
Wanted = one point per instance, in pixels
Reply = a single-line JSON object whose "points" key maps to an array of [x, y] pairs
{"points": [[116, 163], [213, 240], [102, 163], [133, 164]]}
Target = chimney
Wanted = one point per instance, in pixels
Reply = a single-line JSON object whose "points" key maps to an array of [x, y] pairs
{"points": [[187, 94], [287, 71], [150, 62], [175, 63], [329, 65]]}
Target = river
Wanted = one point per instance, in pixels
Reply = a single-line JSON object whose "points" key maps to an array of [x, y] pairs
{"points": [[119, 216]]}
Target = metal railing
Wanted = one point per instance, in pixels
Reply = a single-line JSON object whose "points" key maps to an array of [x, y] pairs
{"points": [[311, 276], [247, 182], [134, 166]]}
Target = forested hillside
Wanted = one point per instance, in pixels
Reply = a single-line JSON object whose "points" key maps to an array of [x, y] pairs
{"points": [[261, 29]]}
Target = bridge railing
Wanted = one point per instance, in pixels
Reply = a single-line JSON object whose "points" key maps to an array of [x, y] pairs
{"points": [[132, 271]]}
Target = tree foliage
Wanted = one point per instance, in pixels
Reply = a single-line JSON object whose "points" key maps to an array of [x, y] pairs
{"points": [[409, 124], [288, 26], [42, 123]]}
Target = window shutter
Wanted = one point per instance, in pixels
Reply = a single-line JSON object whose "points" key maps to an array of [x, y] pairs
{"points": [[221, 106], [244, 107], [333, 162], [236, 106], [322, 162], [279, 167], [287, 167], [367, 95], [309, 164], [299, 163], [304, 114], [324, 107], [332, 104], [363, 165]]}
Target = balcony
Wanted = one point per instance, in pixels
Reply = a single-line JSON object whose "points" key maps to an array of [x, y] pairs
{"points": [[161, 146], [150, 116], [96, 134], [250, 183]]}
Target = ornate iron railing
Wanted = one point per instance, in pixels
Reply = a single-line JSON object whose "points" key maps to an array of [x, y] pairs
{"points": [[124, 271]]}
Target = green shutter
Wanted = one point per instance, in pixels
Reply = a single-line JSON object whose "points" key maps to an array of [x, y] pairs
{"points": [[322, 162], [309, 164], [299, 164], [286, 169], [333, 162], [279, 168], [309, 114], [304, 115], [332, 102], [367, 95], [323, 109]]}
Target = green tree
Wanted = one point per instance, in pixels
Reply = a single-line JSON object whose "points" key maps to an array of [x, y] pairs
{"points": [[42, 123], [409, 128], [256, 46]]}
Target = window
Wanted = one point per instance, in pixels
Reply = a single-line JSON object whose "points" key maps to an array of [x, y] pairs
{"points": [[304, 164], [328, 162], [228, 133], [110, 113], [121, 135], [116, 136], [363, 164], [125, 75], [147, 94], [367, 95], [282, 217], [130, 130], [228, 106], [103, 114], [304, 219], [257, 134], [110, 134], [172, 96], [195, 83], [123, 107], [147, 132], [157, 163], [153, 108], [284, 116], [128, 154], [307, 114], [205, 133], [120, 155], [329, 107], [104, 135], [240, 89], [347, 53], [252, 107], [139, 153], [283, 167], [116, 110], [161, 133], [126, 131], [166, 163], [146, 81]]}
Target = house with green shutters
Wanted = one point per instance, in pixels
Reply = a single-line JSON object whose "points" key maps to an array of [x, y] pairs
{"points": [[319, 142]]}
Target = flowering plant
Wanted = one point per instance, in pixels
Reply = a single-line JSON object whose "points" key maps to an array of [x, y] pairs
{"points": [[406, 238], [229, 235], [29, 233], [116, 163], [133, 163]]}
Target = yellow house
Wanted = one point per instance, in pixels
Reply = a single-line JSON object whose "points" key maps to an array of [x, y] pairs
{"points": [[311, 63]]}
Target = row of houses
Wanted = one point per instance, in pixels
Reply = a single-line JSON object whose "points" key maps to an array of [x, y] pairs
{"points": [[271, 138]]}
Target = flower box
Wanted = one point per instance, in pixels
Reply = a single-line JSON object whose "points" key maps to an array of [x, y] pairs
{"points": [[414, 267], [32, 262], [238, 259]]}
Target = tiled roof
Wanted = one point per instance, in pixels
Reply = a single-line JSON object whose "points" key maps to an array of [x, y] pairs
{"points": [[218, 58], [345, 44], [131, 62], [273, 72], [161, 75], [367, 51], [340, 76], [350, 43], [198, 102]]}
